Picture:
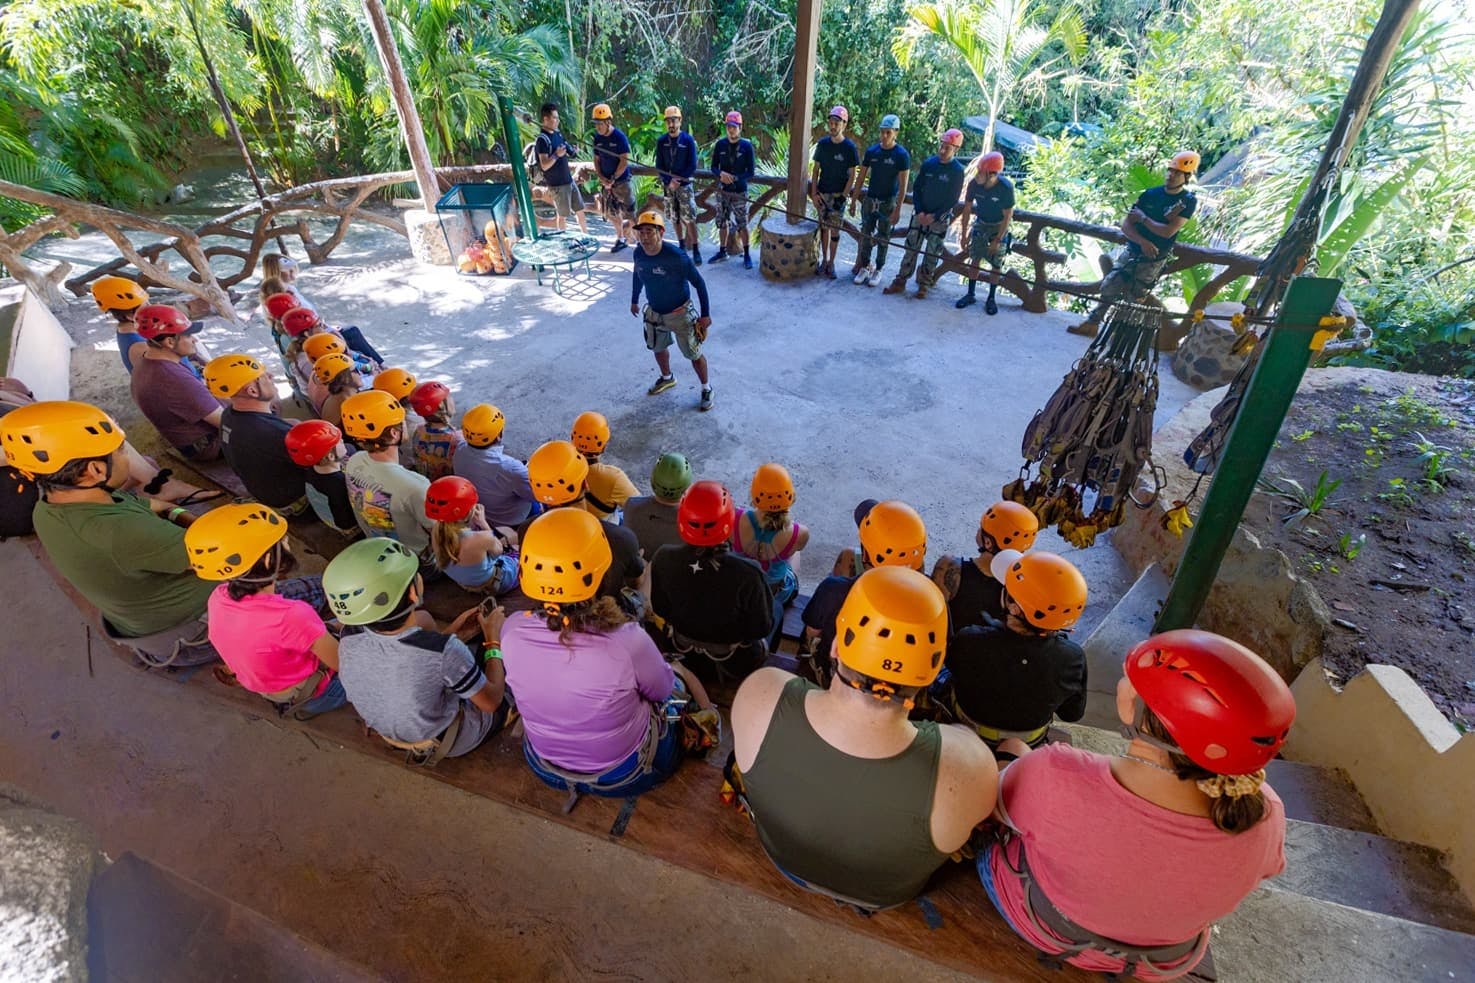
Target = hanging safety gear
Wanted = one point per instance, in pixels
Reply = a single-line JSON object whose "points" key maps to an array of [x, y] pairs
{"points": [[1048, 588], [892, 534], [42, 438], [449, 499], [366, 582], [704, 517], [160, 320], [772, 489], [671, 476], [116, 293], [310, 441], [482, 425], [323, 344], [427, 398], [227, 542], [330, 366], [1223, 706], [564, 557], [227, 375], [397, 382], [1011, 525], [300, 320], [367, 415], [892, 628], [557, 472], [590, 433]]}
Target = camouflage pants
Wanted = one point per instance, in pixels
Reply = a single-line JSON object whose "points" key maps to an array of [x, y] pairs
{"points": [[924, 241], [732, 211], [875, 228], [1133, 276]]}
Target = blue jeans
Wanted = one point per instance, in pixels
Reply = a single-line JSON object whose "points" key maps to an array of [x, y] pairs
{"points": [[331, 699], [356, 342], [623, 780], [986, 875], [309, 590]]}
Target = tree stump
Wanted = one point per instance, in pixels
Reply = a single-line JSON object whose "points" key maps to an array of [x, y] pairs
{"points": [[788, 250], [427, 241]]}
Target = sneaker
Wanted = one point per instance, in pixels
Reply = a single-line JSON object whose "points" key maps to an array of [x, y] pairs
{"points": [[720, 257], [989, 307], [747, 262], [1086, 329], [921, 291], [661, 385], [856, 271], [863, 275], [619, 244], [706, 403], [967, 300], [875, 278], [819, 269], [696, 258], [895, 286]]}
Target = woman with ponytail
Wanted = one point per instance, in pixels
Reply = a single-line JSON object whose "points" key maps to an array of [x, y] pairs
{"points": [[1122, 864]]}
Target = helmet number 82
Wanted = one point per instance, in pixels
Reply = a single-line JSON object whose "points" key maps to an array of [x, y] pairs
{"points": [[894, 665]]}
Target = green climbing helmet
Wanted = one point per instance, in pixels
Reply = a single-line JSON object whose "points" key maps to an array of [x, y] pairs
{"points": [[671, 476], [365, 582]]}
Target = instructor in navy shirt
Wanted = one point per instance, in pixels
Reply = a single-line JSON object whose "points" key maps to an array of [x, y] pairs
{"points": [[667, 275]]}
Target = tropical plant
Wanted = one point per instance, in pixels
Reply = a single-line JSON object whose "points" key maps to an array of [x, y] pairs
{"points": [[1306, 502]]}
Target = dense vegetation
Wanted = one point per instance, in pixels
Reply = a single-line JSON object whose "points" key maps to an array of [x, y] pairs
{"points": [[107, 99]]}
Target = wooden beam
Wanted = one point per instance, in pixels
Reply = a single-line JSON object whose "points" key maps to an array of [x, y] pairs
{"points": [[801, 114], [410, 128]]}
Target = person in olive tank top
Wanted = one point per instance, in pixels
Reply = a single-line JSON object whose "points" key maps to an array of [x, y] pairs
{"points": [[850, 798]]}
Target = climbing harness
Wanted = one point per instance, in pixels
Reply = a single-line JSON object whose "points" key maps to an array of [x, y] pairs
{"points": [[1086, 448], [429, 752]]}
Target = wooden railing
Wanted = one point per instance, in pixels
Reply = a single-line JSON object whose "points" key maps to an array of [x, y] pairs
{"points": [[242, 233]]}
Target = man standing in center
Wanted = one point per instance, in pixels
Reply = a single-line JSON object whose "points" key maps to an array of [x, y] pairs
{"points": [[612, 164], [553, 157], [665, 272], [888, 165], [937, 191], [676, 165], [733, 164], [831, 172]]}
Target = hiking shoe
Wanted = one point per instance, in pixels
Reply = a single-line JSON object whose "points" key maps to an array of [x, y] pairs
{"points": [[720, 257], [830, 269], [696, 258], [747, 262], [863, 276], [619, 244], [856, 272], [661, 385], [989, 307], [819, 269], [921, 291], [895, 286], [967, 300], [874, 278], [706, 403], [1086, 329]]}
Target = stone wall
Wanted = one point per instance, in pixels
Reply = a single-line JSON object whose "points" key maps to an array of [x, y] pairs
{"points": [[788, 251]]}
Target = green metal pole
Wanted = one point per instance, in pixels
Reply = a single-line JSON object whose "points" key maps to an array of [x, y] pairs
{"points": [[1283, 362], [520, 186]]}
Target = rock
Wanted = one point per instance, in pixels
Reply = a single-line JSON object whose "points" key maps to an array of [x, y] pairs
{"points": [[1204, 359]]}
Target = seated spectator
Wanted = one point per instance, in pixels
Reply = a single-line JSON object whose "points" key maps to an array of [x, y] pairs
{"points": [[501, 481], [652, 518], [1187, 801], [315, 347], [123, 553], [851, 799], [1011, 679], [388, 499], [599, 703], [436, 439], [283, 269], [977, 598], [317, 445], [466, 549], [267, 628], [608, 487], [302, 324], [409, 681], [767, 534], [170, 396], [399, 383], [891, 534], [340, 381], [252, 436], [122, 298], [714, 605], [558, 475]]}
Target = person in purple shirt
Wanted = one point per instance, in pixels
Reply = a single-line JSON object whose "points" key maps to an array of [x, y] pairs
{"points": [[170, 396], [676, 165], [667, 276], [600, 705]]}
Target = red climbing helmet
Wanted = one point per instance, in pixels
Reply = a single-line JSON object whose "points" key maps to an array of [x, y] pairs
{"points": [[991, 163], [704, 517], [310, 441], [449, 499], [1226, 709], [428, 397], [160, 321], [277, 305], [299, 320]]}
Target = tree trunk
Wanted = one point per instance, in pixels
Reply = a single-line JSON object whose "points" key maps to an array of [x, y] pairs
{"points": [[801, 114], [411, 130]]}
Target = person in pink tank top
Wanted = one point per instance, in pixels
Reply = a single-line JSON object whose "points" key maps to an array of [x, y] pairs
{"points": [[1122, 864]]}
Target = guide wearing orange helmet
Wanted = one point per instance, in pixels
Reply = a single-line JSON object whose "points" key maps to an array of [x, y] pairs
{"points": [[935, 196], [989, 200], [612, 167]]}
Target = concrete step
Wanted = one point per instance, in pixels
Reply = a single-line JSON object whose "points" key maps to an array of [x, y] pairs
{"points": [[1374, 873], [1278, 936]]}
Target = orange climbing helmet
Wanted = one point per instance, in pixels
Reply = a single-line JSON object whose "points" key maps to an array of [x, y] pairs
{"points": [[397, 382], [482, 425], [330, 366], [651, 217], [590, 433], [42, 438], [1048, 588], [772, 489], [226, 375], [1186, 161], [557, 472], [602, 111], [116, 293], [564, 557], [892, 629], [227, 542], [1010, 525], [367, 415], [324, 344], [892, 535]]}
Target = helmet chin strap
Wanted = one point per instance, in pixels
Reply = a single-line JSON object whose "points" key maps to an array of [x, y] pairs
{"points": [[1134, 732], [877, 690]]}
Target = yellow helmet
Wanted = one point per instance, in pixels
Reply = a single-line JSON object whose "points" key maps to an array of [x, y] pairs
{"points": [[590, 433], [772, 489], [42, 438], [1048, 588], [892, 535], [227, 542], [327, 343], [397, 382], [367, 415], [651, 217], [893, 628], [602, 111], [1012, 526], [116, 293], [227, 375], [557, 472], [564, 557], [672, 111], [328, 368], [1186, 161], [482, 425]]}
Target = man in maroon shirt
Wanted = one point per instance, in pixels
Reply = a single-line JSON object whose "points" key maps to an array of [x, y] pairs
{"points": [[172, 397]]}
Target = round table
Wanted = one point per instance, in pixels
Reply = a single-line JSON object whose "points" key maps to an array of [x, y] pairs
{"points": [[554, 251]]}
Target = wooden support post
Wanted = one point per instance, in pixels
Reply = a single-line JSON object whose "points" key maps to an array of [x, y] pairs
{"points": [[411, 130], [801, 115]]}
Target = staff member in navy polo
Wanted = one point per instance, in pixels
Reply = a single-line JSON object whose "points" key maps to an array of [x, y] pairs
{"points": [[612, 164], [831, 174], [676, 165], [733, 164], [553, 157], [667, 276]]}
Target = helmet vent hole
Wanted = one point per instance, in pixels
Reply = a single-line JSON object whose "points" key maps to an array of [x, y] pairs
{"points": [[865, 619], [381, 599], [849, 637], [1268, 741], [911, 639], [884, 633]]}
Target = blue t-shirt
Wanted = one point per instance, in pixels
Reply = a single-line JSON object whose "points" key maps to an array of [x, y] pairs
{"points": [[939, 186], [884, 167], [836, 161], [824, 607], [558, 175], [1160, 206], [607, 153], [665, 277], [736, 159], [990, 204], [676, 156]]}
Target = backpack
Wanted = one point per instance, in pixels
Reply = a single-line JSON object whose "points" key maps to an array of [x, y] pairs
{"points": [[530, 163]]}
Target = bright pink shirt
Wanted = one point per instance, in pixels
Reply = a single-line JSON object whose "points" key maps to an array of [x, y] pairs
{"points": [[1120, 865], [266, 639]]}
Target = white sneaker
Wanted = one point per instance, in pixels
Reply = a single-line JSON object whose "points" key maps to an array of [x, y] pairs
{"points": [[864, 276], [874, 278]]}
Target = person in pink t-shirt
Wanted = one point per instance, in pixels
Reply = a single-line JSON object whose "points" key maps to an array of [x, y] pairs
{"points": [[1140, 853], [267, 629]]}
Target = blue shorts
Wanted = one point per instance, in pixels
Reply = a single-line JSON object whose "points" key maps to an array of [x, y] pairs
{"points": [[624, 779]]}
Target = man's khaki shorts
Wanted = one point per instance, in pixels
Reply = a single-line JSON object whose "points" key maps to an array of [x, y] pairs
{"points": [[680, 325], [566, 199], [619, 199]]}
